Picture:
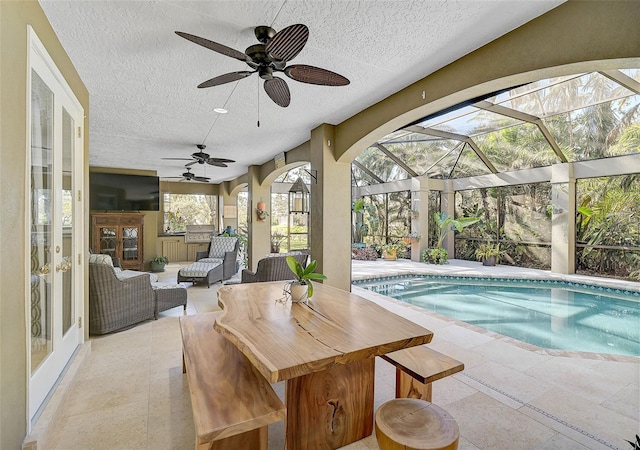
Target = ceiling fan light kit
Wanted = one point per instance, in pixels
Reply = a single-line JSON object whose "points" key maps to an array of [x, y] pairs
{"points": [[269, 57]]}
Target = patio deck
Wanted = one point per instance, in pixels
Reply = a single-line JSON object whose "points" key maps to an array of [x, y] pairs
{"points": [[131, 393]]}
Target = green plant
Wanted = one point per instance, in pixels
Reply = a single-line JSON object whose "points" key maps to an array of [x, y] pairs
{"points": [[305, 275], [360, 229], [486, 251], [277, 238], [446, 224], [262, 214], [397, 246], [160, 260], [435, 255]]}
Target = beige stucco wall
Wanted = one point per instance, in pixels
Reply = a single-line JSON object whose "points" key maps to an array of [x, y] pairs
{"points": [[14, 18], [576, 36]]}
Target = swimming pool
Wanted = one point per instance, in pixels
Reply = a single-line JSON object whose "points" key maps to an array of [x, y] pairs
{"points": [[548, 314]]}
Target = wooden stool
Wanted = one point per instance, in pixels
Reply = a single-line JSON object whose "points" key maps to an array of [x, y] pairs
{"points": [[415, 424]]}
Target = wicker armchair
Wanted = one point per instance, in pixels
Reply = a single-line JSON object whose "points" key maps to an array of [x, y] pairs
{"points": [[116, 304], [273, 268]]}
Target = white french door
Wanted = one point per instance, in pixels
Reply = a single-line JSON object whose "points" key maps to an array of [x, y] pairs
{"points": [[55, 220]]}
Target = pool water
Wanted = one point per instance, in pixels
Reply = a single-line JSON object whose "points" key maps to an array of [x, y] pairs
{"points": [[550, 314]]}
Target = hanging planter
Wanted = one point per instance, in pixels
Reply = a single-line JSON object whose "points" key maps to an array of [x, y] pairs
{"points": [[261, 211]]}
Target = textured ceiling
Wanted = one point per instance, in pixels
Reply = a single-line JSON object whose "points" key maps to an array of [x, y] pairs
{"points": [[142, 77]]}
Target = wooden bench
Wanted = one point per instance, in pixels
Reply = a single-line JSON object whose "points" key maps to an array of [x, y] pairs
{"points": [[232, 402], [417, 367]]}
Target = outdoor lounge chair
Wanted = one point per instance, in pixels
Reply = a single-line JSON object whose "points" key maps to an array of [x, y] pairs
{"points": [[118, 301], [218, 263], [273, 268], [115, 304]]}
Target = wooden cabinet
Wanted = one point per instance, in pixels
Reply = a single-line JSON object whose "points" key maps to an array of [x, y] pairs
{"points": [[121, 235]]}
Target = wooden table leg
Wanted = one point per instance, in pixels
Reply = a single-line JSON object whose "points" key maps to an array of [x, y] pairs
{"points": [[330, 408]]}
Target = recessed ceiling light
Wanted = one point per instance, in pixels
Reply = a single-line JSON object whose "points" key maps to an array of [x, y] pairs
{"points": [[220, 110]]}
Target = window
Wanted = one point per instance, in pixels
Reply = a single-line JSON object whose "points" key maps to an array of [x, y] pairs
{"points": [[180, 210]]}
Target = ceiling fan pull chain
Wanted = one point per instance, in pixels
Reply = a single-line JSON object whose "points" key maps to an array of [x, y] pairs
{"points": [[258, 102]]}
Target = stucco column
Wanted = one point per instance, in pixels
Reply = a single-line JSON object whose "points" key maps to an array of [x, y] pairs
{"points": [[420, 224], [226, 199], [563, 219], [330, 231], [259, 230], [447, 206]]}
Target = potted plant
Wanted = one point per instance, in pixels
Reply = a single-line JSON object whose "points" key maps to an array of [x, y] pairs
{"points": [[445, 224], [435, 255], [261, 211], [489, 254], [390, 250], [412, 238], [276, 240], [158, 263], [302, 288]]}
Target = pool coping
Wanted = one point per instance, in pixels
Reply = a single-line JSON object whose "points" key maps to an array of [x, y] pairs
{"points": [[604, 284]]}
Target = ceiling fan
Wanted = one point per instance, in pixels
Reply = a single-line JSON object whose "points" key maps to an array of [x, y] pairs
{"points": [[201, 157], [189, 176], [270, 56]]}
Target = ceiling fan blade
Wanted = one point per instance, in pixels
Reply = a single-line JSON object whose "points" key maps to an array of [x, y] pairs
{"points": [[278, 91], [315, 75], [203, 179], [288, 42], [226, 78], [223, 49], [179, 159], [217, 164], [222, 160], [191, 163]]}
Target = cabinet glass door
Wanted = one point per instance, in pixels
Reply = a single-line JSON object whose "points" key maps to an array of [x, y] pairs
{"points": [[108, 240], [130, 243]]}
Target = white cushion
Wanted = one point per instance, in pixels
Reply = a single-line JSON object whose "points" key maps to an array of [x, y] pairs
{"points": [[124, 274], [215, 261], [101, 259], [197, 269], [160, 286], [220, 245]]}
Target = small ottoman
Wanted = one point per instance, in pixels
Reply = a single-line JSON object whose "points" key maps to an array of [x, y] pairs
{"points": [[169, 296]]}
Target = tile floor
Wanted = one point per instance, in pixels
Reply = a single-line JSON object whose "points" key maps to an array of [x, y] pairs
{"points": [[131, 393]]}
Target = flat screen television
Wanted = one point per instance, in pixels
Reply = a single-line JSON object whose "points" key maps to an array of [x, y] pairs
{"points": [[119, 192]]}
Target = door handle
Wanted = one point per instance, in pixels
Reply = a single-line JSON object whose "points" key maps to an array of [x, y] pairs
{"points": [[64, 266]]}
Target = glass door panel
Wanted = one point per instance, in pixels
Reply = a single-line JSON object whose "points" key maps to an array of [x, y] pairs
{"points": [[41, 216], [66, 266], [130, 243], [108, 241]]}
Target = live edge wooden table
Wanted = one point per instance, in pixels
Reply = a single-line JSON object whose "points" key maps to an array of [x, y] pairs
{"points": [[324, 350]]}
